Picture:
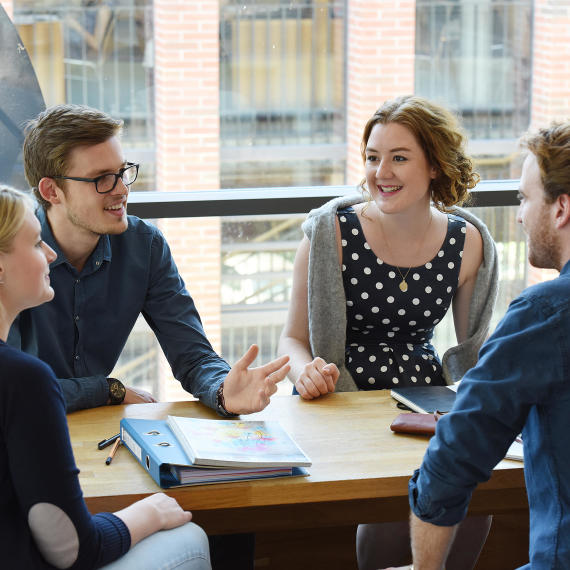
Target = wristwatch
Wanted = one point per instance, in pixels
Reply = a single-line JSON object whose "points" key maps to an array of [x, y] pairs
{"points": [[117, 391]]}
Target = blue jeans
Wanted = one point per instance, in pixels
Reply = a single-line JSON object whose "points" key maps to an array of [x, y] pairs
{"points": [[182, 548]]}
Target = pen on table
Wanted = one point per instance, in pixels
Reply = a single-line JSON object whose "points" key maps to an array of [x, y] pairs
{"points": [[113, 451], [104, 443]]}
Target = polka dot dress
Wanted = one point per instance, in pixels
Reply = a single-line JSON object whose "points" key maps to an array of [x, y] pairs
{"points": [[389, 331]]}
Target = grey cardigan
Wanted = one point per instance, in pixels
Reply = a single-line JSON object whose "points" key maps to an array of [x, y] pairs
{"points": [[327, 303]]}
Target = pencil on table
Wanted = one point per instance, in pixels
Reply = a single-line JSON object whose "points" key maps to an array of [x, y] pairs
{"points": [[113, 451]]}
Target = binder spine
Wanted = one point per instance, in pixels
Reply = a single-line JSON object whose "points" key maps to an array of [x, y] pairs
{"points": [[132, 440]]}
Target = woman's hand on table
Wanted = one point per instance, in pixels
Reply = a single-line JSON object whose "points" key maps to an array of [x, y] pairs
{"points": [[317, 378]]}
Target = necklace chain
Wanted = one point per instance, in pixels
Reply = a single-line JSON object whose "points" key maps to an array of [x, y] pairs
{"points": [[403, 285]]}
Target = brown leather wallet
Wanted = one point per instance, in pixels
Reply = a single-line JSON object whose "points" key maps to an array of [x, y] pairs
{"points": [[415, 423]]}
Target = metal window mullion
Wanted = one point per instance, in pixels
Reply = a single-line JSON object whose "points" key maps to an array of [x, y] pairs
{"points": [[268, 68], [313, 71], [132, 80], [116, 69], [284, 81]]}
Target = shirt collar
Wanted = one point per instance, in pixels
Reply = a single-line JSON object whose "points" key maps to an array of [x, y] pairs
{"points": [[102, 251], [566, 269]]}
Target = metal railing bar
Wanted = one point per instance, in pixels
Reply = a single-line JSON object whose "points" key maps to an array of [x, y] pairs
{"points": [[267, 201]]}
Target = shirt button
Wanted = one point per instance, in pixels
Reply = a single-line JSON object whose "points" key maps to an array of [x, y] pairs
{"points": [[77, 281], [97, 263], [77, 357], [76, 317]]}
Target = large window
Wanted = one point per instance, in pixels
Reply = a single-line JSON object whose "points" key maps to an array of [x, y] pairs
{"points": [[221, 94], [279, 82]]}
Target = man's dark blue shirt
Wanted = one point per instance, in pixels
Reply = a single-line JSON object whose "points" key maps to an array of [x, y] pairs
{"points": [[83, 330], [521, 383]]}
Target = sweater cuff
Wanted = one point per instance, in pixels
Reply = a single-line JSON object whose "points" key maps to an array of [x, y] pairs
{"points": [[115, 537]]}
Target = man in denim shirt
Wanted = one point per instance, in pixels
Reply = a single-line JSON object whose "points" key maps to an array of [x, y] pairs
{"points": [[110, 268], [521, 383]]}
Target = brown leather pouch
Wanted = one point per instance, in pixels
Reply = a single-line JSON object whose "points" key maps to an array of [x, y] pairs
{"points": [[415, 423]]}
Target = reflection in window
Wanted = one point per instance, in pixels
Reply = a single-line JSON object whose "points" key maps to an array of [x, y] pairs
{"points": [[97, 53], [282, 88], [475, 57], [282, 77], [20, 100]]}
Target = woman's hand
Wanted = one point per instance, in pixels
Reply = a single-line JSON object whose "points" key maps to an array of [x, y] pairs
{"points": [[316, 379], [170, 513], [151, 514]]}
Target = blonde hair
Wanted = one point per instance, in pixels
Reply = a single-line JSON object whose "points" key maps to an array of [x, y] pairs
{"points": [[55, 132], [551, 146], [13, 207], [441, 138]]}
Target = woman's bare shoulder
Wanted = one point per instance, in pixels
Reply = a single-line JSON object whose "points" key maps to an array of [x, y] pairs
{"points": [[472, 250]]}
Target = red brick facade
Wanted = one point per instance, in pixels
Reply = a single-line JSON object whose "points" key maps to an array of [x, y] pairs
{"points": [[380, 65], [188, 147], [551, 62]]}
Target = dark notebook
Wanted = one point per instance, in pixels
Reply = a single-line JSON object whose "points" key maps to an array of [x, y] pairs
{"points": [[426, 399]]}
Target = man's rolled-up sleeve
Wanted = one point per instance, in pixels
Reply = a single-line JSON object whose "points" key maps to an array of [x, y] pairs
{"points": [[492, 405], [430, 509]]}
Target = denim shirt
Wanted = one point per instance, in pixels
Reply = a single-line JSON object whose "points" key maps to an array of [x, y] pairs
{"points": [[521, 383], [83, 330]]}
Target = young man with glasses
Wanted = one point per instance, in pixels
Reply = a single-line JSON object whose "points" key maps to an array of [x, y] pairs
{"points": [[110, 268]]}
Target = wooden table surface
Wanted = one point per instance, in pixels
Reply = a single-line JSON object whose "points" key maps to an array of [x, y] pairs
{"points": [[360, 468]]}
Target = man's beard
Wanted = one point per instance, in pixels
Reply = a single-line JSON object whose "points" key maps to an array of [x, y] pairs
{"points": [[543, 247], [95, 228]]}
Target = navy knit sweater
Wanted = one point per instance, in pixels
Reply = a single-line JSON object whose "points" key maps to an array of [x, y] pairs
{"points": [[44, 522]]}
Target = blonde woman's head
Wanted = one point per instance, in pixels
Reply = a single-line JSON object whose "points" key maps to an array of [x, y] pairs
{"points": [[13, 207]]}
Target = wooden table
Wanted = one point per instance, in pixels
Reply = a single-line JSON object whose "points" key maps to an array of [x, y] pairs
{"points": [[360, 468]]}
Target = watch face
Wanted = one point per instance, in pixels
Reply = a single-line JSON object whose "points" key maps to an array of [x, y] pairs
{"points": [[117, 391]]}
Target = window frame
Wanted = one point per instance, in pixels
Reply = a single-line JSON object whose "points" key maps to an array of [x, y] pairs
{"points": [[265, 201]]}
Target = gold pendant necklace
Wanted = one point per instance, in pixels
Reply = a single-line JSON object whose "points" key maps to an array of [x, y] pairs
{"points": [[403, 284]]}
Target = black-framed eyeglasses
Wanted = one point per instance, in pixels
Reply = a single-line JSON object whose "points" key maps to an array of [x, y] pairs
{"points": [[106, 182]]}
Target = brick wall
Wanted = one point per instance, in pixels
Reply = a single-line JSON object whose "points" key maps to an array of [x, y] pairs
{"points": [[551, 62], [380, 65], [187, 148]]}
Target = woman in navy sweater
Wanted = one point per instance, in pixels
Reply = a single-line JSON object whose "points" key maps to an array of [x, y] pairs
{"points": [[44, 522]]}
